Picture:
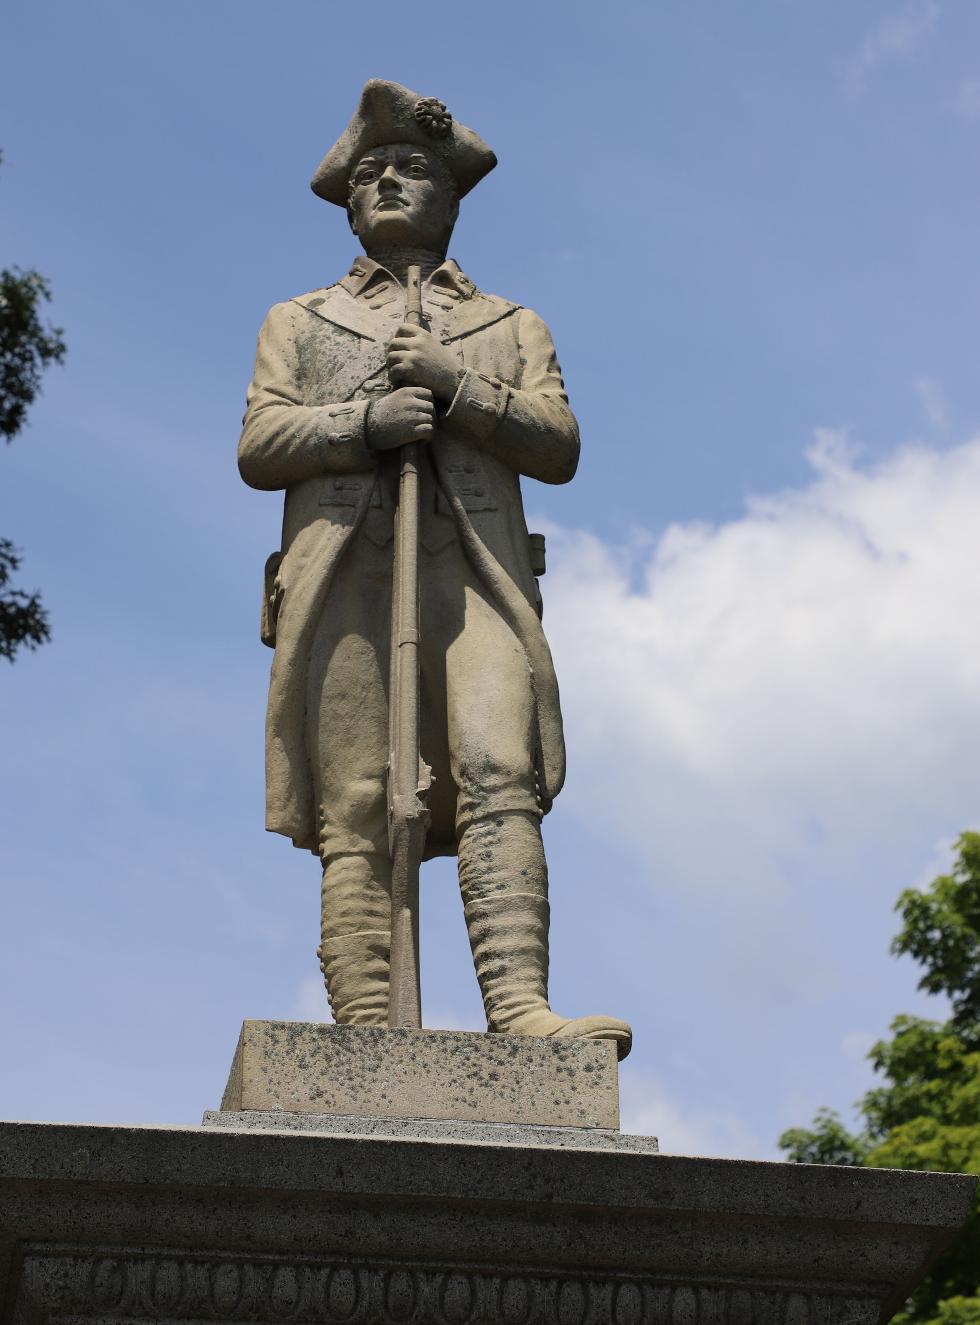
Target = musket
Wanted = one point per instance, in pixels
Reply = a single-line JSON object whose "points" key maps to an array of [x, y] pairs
{"points": [[409, 777]]}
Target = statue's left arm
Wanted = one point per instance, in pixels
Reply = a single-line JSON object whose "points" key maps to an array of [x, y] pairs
{"points": [[528, 427]]}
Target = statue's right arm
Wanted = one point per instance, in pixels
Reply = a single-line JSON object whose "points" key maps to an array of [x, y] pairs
{"points": [[284, 440]]}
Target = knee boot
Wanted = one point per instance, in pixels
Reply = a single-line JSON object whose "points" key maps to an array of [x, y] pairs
{"points": [[356, 938], [504, 882]]}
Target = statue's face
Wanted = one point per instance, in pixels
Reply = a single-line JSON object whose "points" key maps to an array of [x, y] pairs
{"points": [[400, 196]]}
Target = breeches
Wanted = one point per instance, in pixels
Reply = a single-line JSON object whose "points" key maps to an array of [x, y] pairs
{"points": [[477, 707]]}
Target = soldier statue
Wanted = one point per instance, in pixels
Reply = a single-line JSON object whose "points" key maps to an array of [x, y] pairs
{"points": [[342, 382]]}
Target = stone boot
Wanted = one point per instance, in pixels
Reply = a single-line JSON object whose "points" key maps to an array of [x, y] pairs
{"points": [[504, 881], [356, 946]]}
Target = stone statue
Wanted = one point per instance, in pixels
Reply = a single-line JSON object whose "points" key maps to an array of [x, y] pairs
{"points": [[344, 383]]}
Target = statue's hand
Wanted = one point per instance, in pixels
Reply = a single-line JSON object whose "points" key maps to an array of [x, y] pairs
{"points": [[405, 415], [416, 358]]}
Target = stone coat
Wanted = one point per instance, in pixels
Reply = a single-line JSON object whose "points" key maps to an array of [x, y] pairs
{"points": [[321, 360]]}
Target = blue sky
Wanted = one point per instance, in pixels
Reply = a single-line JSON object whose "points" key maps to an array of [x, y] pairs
{"points": [[752, 230]]}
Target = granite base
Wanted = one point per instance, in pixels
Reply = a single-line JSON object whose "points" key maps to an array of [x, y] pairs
{"points": [[132, 1224]]}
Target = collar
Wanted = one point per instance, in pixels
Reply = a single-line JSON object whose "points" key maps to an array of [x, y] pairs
{"points": [[355, 303], [367, 276]]}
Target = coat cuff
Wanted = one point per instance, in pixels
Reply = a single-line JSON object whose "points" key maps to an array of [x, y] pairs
{"points": [[344, 436], [477, 407]]}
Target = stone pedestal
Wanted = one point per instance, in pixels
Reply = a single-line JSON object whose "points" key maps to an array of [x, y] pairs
{"points": [[272, 1215], [304, 1068]]}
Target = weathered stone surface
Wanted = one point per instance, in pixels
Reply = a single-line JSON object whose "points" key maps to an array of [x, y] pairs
{"points": [[431, 1129], [133, 1224], [350, 380], [304, 1067]]}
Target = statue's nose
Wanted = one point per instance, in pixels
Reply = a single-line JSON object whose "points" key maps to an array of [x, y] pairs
{"points": [[389, 177]]}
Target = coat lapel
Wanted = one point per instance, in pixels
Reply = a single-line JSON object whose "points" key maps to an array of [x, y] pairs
{"points": [[367, 357], [475, 313], [343, 310], [338, 307]]}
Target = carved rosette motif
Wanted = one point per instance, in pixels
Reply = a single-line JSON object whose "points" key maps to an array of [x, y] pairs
{"points": [[433, 116], [128, 1286]]}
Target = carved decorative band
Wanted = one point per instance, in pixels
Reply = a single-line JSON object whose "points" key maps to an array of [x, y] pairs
{"points": [[129, 1286]]}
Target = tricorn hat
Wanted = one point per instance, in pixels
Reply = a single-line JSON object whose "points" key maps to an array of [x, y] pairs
{"points": [[389, 113]]}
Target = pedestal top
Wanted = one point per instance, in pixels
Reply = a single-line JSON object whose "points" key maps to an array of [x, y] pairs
{"points": [[119, 1226]]}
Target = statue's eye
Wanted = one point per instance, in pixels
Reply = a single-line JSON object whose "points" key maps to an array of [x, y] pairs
{"points": [[417, 171], [366, 176]]}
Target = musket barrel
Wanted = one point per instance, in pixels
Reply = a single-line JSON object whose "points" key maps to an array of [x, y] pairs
{"points": [[407, 780]]}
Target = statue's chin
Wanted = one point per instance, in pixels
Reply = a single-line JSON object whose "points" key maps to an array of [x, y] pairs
{"points": [[395, 230]]}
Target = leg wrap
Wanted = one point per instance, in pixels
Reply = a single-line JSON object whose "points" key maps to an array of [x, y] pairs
{"points": [[356, 944], [504, 881]]}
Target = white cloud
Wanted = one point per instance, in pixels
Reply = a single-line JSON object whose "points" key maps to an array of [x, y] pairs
{"points": [[895, 38], [968, 99], [648, 1110], [932, 398], [757, 701]]}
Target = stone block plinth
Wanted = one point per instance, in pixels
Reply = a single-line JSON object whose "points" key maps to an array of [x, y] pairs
{"points": [[352, 1071], [117, 1224]]}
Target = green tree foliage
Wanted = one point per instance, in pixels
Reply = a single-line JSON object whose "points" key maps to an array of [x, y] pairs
{"points": [[926, 1114], [22, 618], [827, 1142], [27, 347], [941, 931]]}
